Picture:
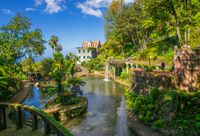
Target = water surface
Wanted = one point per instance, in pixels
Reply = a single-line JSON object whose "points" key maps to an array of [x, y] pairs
{"points": [[35, 98], [106, 114]]}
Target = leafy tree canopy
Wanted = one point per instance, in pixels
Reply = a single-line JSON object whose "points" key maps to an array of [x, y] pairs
{"points": [[17, 40], [157, 25]]}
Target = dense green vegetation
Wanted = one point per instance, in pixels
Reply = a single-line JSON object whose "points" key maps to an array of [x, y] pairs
{"points": [[126, 75], [150, 29], [166, 110], [67, 99], [17, 42], [19, 45], [63, 69], [93, 64]]}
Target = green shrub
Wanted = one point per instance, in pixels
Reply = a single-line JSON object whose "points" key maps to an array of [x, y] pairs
{"points": [[125, 75], [9, 87], [197, 120], [50, 91], [93, 64], [157, 124], [149, 69], [67, 100], [167, 108]]}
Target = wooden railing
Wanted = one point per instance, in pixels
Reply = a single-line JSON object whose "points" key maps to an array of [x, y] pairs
{"points": [[50, 124]]}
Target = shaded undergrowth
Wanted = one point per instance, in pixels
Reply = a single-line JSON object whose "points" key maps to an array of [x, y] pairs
{"points": [[168, 111]]}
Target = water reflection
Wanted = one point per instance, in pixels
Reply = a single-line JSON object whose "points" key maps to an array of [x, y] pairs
{"points": [[35, 98], [106, 114]]}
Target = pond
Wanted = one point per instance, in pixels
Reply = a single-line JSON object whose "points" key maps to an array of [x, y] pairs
{"points": [[106, 114]]}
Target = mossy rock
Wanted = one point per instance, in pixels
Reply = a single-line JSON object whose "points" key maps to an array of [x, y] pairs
{"points": [[66, 112]]}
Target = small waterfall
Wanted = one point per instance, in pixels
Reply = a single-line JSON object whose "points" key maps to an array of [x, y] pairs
{"points": [[122, 125], [107, 73]]}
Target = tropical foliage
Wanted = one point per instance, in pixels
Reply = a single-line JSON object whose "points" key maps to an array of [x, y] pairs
{"points": [[18, 41], [93, 64], [150, 29], [53, 42], [167, 109]]}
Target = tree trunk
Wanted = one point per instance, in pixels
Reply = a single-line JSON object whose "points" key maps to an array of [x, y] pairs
{"points": [[134, 40], [178, 31], [173, 11], [145, 40], [185, 39]]}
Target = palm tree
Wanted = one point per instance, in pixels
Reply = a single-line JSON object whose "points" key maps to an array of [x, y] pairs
{"points": [[70, 62], [58, 70], [53, 42]]}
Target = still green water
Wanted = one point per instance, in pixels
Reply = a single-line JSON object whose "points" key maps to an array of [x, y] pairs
{"points": [[106, 114]]}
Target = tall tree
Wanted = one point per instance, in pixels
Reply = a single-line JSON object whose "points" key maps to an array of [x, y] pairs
{"points": [[157, 25], [53, 42], [18, 41]]}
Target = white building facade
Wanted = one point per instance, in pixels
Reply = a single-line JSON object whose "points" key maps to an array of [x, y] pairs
{"points": [[88, 51]]}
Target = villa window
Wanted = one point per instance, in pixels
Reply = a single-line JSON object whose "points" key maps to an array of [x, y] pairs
{"points": [[88, 57], [79, 51], [83, 57], [83, 51]]}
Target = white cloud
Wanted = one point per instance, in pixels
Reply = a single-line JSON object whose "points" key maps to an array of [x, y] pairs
{"points": [[30, 9], [94, 7], [52, 6], [98, 3], [89, 10], [7, 11], [38, 2]]}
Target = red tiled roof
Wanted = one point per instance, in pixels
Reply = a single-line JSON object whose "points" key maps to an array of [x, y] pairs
{"points": [[95, 44]]}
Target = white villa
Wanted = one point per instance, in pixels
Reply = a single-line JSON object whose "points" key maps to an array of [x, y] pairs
{"points": [[88, 50]]}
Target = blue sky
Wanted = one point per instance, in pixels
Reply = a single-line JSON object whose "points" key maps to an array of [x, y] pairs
{"points": [[73, 21]]}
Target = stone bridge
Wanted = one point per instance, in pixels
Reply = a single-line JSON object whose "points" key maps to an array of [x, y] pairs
{"points": [[119, 65]]}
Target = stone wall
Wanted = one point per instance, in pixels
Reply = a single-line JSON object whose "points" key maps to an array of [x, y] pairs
{"points": [[186, 75], [142, 81], [187, 68], [63, 113]]}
